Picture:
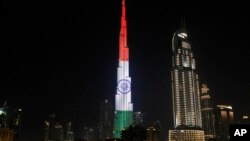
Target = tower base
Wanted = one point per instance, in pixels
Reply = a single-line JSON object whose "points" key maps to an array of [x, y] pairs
{"points": [[123, 119]]}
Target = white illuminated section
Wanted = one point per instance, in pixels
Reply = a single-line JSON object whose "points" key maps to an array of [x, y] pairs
{"points": [[224, 107], [1, 111], [123, 100], [185, 64], [182, 35], [186, 45]]}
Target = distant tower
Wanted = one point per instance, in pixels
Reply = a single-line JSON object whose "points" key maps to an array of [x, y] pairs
{"points": [[90, 134], [138, 118], [244, 120], [51, 125], [69, 135], [185, 91], [153, 134], [46, 131], [123, 104], [223, 118], [207, 111], [106, 120], [58, 132], [6, 134]]}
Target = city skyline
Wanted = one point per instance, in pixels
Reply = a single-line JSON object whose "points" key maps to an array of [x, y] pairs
{"points": [[46, 55]]}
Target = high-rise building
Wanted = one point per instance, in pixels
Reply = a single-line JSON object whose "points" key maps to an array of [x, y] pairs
{"points": [[10, 119], [223, 118], [52, 124], [46, 131], [6, 134], [138, 118], [207, 112], [91, 133], [123, 103], [69, 135], [185, 91], [54, 131], [153, 134], [244, 120], [106, 120], [58, 132]]}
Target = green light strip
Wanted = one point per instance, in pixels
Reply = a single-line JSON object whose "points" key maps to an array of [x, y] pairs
{"points": [[123, 119]]}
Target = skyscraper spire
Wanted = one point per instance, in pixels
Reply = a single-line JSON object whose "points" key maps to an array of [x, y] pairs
{"points": [[183, 23], [123, 50]]}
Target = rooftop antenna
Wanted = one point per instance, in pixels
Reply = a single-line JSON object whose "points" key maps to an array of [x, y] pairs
{"points": [[183, 23]]}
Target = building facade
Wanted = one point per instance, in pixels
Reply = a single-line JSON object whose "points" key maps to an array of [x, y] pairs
{"points": [[224, 117], [153, 134], [207, 112], [138, 118], [54, 131], [6, 134], [185, 91], [186, 135], [123, 103], [106, 120]]}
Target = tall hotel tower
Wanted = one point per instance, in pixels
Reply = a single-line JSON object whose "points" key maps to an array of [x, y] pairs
{"points": [[123, 103], [185, 91]]}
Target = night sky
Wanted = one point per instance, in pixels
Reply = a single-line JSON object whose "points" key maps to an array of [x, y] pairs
{"points": [[61, 57]]}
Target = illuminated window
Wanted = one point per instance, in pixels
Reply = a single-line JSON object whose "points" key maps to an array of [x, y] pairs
{"points": [[179, 50], [231, 116], [224, 115], [185, 45], [177, 60]]}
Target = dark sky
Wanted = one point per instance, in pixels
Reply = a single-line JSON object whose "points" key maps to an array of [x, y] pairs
{"points": [[61, 57]]}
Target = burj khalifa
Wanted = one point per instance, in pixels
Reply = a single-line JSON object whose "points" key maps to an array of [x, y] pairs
{"points": [[123, 103]]}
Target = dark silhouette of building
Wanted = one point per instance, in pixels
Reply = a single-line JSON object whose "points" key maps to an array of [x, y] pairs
{"points": [[106, 120], [185, 90], [54, 131], [10, 120], [207, 112], [244, 120], [6, 134], [153, 134], [223, 118], [69, 135], [52, 124], [138, 118], [91, 133], [134, 133], [57, 133], [46, 135]]}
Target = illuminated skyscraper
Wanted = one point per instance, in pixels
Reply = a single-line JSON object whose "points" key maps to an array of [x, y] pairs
{"points": [[185, 91], [123, 104], [207, 112]]}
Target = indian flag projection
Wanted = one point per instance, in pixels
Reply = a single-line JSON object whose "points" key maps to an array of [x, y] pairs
{"points": [[123, 103]]}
